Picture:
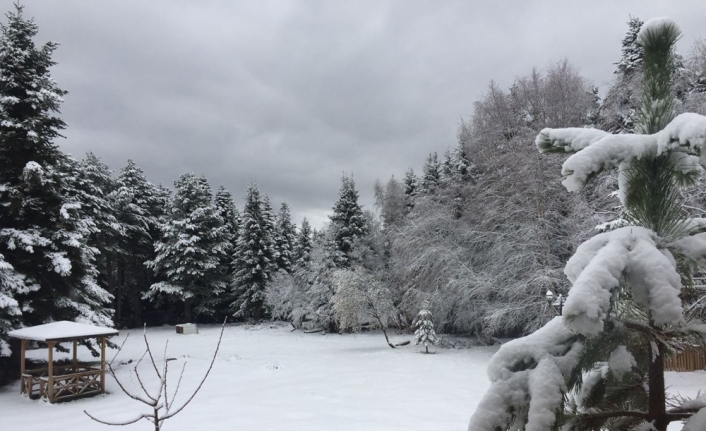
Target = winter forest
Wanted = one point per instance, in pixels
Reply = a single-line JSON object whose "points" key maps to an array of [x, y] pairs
{"points": [[471, 245]]}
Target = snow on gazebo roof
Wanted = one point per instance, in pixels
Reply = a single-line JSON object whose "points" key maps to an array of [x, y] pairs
{"points": [[61, 331]]}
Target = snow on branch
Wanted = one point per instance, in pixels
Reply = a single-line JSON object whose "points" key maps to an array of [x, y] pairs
{"points": [[598, 266], [528, 380], [654, 26], [567, 140], [597, 150]]}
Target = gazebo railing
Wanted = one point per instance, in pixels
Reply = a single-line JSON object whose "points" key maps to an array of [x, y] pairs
{"points": [[69, 381], [72, 385]]}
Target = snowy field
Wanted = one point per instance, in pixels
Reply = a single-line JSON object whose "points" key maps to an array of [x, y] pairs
{"points": [[268, 378]]}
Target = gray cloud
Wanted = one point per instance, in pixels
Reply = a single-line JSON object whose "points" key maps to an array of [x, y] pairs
{"points": [[291, 94]]}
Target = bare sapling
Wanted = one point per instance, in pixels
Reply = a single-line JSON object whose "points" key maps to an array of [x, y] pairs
{"points": [[159, 399]]}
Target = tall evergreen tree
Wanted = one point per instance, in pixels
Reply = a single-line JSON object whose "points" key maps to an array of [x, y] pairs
{"points": [[461, 163], [632, 52], [90, 181], [431, 174], [269, 225], [347, 221], [410, 188], [447, 170], [47, 263], [303, 245], [255, 257], [231, 220], [191, 250], [285, 236], [139, 207], [601, 366]]}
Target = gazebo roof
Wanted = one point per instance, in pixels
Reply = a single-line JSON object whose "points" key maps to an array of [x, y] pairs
{"points": [[61, 331]]}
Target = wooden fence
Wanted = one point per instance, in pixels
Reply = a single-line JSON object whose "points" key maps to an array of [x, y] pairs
{"points": [[689, 359]]}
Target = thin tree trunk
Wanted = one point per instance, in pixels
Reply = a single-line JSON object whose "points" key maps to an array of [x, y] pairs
{"points": [[119, 292], [187, 310], [657, 403], [427, 348]]}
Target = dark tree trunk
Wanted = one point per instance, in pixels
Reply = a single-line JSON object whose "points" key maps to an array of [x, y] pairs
{"points": [[657, 403], [187, 310], [119, 293]]}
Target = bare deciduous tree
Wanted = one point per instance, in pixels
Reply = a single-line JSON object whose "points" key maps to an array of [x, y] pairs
{"points": [[159, 399]]}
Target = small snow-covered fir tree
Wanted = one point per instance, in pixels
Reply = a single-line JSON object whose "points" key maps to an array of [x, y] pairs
{"points": [[425, 333], [191, 251], [601, 365]]}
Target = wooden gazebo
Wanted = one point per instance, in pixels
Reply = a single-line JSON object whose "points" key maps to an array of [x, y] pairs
{"points": [[56, 383]]}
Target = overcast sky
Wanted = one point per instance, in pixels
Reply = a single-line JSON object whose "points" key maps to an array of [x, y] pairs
{"points": [[290, 95]]}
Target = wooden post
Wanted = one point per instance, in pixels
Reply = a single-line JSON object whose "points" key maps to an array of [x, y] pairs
{"points": [[75, 345], [102, 365], [23, 389], [50, 366], [22, 356]]}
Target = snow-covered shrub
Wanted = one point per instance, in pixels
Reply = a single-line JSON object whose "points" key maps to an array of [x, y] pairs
{"points": [[425, 333]]}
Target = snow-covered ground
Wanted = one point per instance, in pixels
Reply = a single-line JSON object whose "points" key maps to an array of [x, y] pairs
{"points": [[268, 378]]}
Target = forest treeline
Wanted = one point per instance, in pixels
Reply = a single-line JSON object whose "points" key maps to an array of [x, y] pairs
{"points": [[480, 234]]}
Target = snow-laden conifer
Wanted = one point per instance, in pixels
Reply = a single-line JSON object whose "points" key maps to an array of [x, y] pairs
{"points": [[347, 221], [425, 334], [431, 174], [47, 263], [191, 250], [285, 237], [225, 207], [303, 244], [254, 259], [624, 308], [140, 208]]}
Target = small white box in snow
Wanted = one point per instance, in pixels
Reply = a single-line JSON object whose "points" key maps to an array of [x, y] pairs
{"points": [[187, 328]]}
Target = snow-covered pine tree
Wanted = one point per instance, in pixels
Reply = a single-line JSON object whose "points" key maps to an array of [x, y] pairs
{"points": [[90, 182], [461, 163], [425, 333], [431, 174], [410, 188], [601, 365], [617, 113], [231, 221], [47, 264], [347, 221], [254, 259], [447, 170], [632, 52], [285, 237], [303, 245], [191, 251], [269, 220], [139, 207]]}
